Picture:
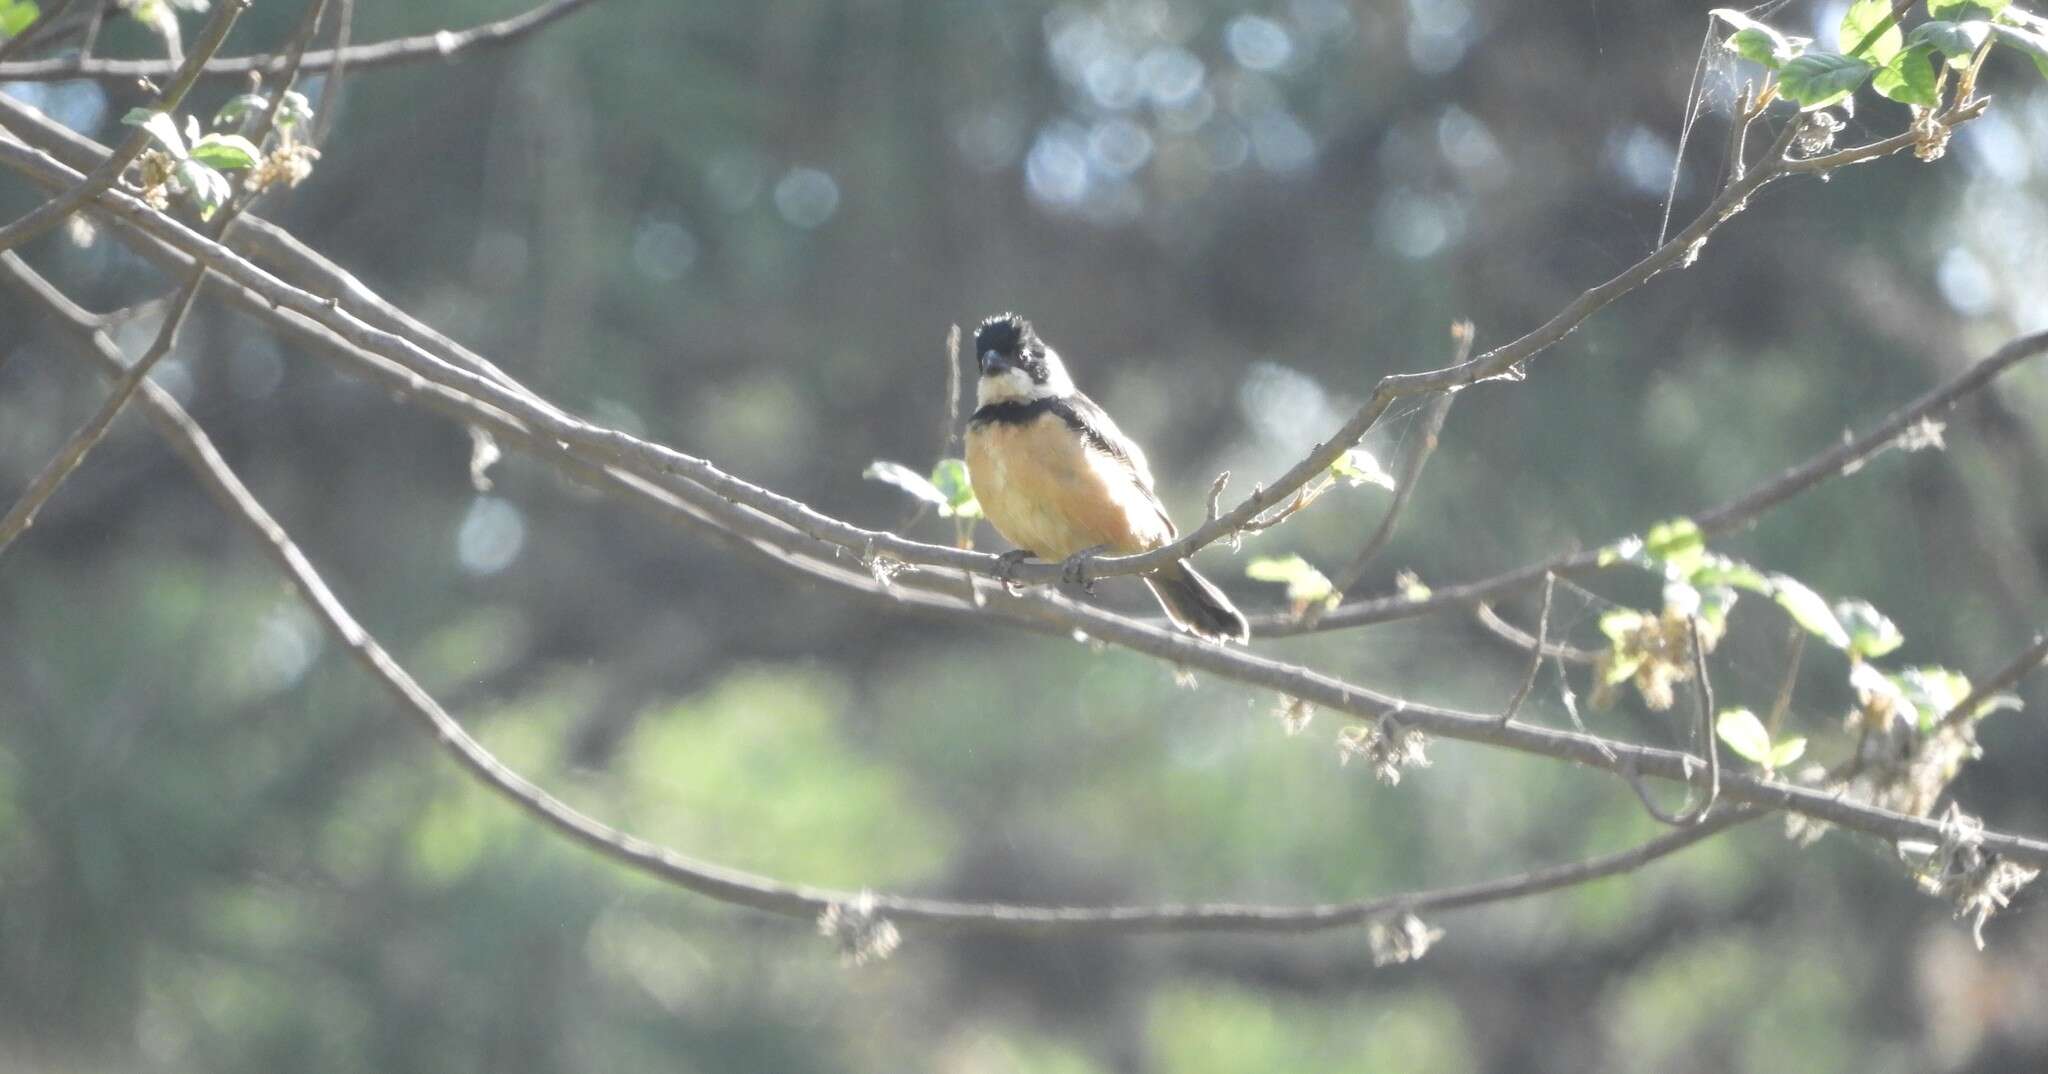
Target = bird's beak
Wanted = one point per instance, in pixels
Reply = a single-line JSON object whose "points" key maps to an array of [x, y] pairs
{"points": [[992, 361]]}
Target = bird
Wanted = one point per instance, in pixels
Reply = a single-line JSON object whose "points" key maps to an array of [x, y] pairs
{"points": [[1060, 481]]}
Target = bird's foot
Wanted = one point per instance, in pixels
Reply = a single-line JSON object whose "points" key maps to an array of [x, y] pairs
{"points": [[1006, 566], [1070, 568]]}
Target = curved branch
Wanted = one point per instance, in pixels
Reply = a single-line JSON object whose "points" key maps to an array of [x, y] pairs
{"points": [[1840, 459], [440, 45], [494, 406], [732, 886]]}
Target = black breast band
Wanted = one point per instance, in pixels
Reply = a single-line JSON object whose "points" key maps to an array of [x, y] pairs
{"points": [[1073, 411]]}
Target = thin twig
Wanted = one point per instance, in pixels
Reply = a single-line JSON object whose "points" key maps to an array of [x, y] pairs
{"points": [[87, 436], [1703, 697], [2031, 657], [53, 212], [440, 45], [1521, 639], [648, 458], [330, 90], [1438, 409], [1536, 657], [785, 525], [765, 893], [67, 460], [1795, 644], [1838, 459]]}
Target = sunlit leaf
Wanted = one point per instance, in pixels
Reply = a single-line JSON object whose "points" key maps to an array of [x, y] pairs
{"points": [[907, 479], [1956, 40], [1909, 78], [160, 126], [1755, 40], [1360, 467], [1965, 9], [1620, 623], [1787, 751], [16, 17], [1818, 79], [1871, 634], [1863, 17], [1745, 734], [951, 479], [1717, 570], [1305, 584], [1808, 610], [1678, 544], [226, 152]]}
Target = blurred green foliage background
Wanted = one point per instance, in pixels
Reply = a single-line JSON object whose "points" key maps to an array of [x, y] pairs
{"points": [[743, 228]]}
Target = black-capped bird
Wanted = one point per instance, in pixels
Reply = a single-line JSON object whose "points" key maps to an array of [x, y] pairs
{"points": [[1058, 478]]}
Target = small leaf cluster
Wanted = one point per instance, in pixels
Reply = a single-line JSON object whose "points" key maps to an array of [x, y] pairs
{"points": [[194, 163], [1908, 747], [948, 491], [1306, 586], [1910, 68]]}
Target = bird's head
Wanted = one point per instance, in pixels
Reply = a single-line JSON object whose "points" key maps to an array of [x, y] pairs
{"points": [[1015, 364]]}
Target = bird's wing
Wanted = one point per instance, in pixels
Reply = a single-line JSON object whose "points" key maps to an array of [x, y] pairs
{"points": [[1084, 416]]}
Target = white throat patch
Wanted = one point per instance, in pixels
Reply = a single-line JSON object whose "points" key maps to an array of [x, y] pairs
{"points": [[1015, 385]]}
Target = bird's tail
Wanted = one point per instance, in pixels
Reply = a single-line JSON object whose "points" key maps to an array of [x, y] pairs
{"points": [[1197, 606]]}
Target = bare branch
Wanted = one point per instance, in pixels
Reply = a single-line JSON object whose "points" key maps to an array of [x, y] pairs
{"points": [[1523, 640], [1536, 651], [441, 45], [2031, 657], [794, 531], [47, 481], [739, 888], [1837, 460]]}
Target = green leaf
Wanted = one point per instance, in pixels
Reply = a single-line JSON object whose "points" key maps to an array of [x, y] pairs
{"points": [[1744, 734], [1909, 78], [1808, 610], [1965, 9], [1870, 633], [1715, 601], [1305, 584], [160, 126], [1956, 40], [907, 479], [1756, 41], [1931, 692], [1819, 79], [226, 152], [245, 107], [1861, 23], [1359, 467], [239, 108], [208, 188], [1677, 544], [1717, 570], [1620, 623], [1787, 751], [2032, 42], [16, 17], [950, 477]]}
